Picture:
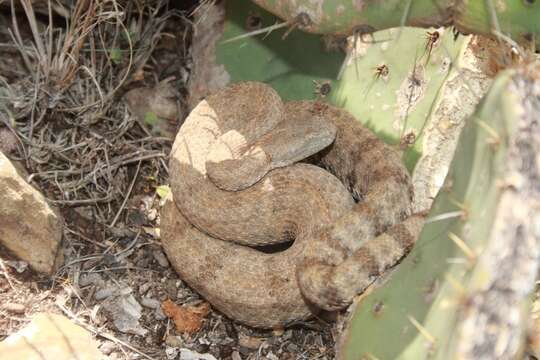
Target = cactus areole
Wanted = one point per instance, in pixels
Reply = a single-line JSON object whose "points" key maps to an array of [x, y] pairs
{"points": [[517, 19]]}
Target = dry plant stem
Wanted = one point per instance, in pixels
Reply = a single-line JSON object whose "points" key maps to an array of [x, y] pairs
{"points": [[204, 230], [127, 195], [6, 274], [67, 116]]}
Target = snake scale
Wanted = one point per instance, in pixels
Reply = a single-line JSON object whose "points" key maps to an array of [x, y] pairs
{"points": [[249, 172]]}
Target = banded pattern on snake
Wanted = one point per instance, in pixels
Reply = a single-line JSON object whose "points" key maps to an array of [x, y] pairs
{"points": [[238, 183]]}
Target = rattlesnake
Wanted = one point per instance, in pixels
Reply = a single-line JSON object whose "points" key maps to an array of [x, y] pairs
{"points": [[359, 189]]}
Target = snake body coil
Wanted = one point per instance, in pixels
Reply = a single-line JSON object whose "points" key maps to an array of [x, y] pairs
{"points": [[237, 185]]}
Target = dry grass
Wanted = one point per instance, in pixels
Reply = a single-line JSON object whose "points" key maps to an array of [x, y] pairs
{"points": [[75, 137]]}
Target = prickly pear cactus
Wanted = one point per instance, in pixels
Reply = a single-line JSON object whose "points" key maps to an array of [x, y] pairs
{"points": [[415, 90], [517, 19], [294, 63], [463, 291]]}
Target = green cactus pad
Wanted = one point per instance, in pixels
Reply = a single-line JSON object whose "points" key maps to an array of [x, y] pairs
{"points": [[402, 101], [417, 314], [421, 102], [292, 66], [517, 19]]}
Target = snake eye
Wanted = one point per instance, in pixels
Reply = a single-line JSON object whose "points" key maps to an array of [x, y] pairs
{"points": [[529, 2]]}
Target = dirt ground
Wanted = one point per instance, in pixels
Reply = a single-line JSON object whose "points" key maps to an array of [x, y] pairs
{"points": [[66, 118]]}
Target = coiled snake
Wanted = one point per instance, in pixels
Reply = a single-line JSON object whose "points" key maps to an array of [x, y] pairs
{"points": [[237, 184]]}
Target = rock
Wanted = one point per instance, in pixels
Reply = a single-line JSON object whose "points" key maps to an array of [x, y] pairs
{"points": [[107, 347], [19, 266], [186, 354], [173, 341], [8, 141], [124, 311], [249, 342], [171, 353], [29, 226], [160, 258], [50, 336], [150, 303]]}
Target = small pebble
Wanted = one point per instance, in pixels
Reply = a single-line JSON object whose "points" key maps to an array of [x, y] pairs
{"points": [[14, 308], [152, 214], [172, 353], [249, 342], [107, 347], [174, 341], [161, 258], [19, 266], [150, 303]]}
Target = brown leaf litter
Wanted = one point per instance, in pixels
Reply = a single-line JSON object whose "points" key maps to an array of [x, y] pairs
{"points": [[187, 319]]}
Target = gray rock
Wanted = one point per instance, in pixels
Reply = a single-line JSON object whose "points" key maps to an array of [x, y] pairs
{"points": [[124, 311], [160, 258], [150, 303]]}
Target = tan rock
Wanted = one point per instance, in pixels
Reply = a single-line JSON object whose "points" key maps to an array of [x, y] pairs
{"points": [[29, 226], [50, 336]]}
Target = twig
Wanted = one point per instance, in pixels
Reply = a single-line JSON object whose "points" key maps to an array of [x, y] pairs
{"points": [[127, 196], [6, 274]]}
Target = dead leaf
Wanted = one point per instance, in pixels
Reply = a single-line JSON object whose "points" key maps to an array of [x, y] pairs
{"points": [[187, 319]]}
